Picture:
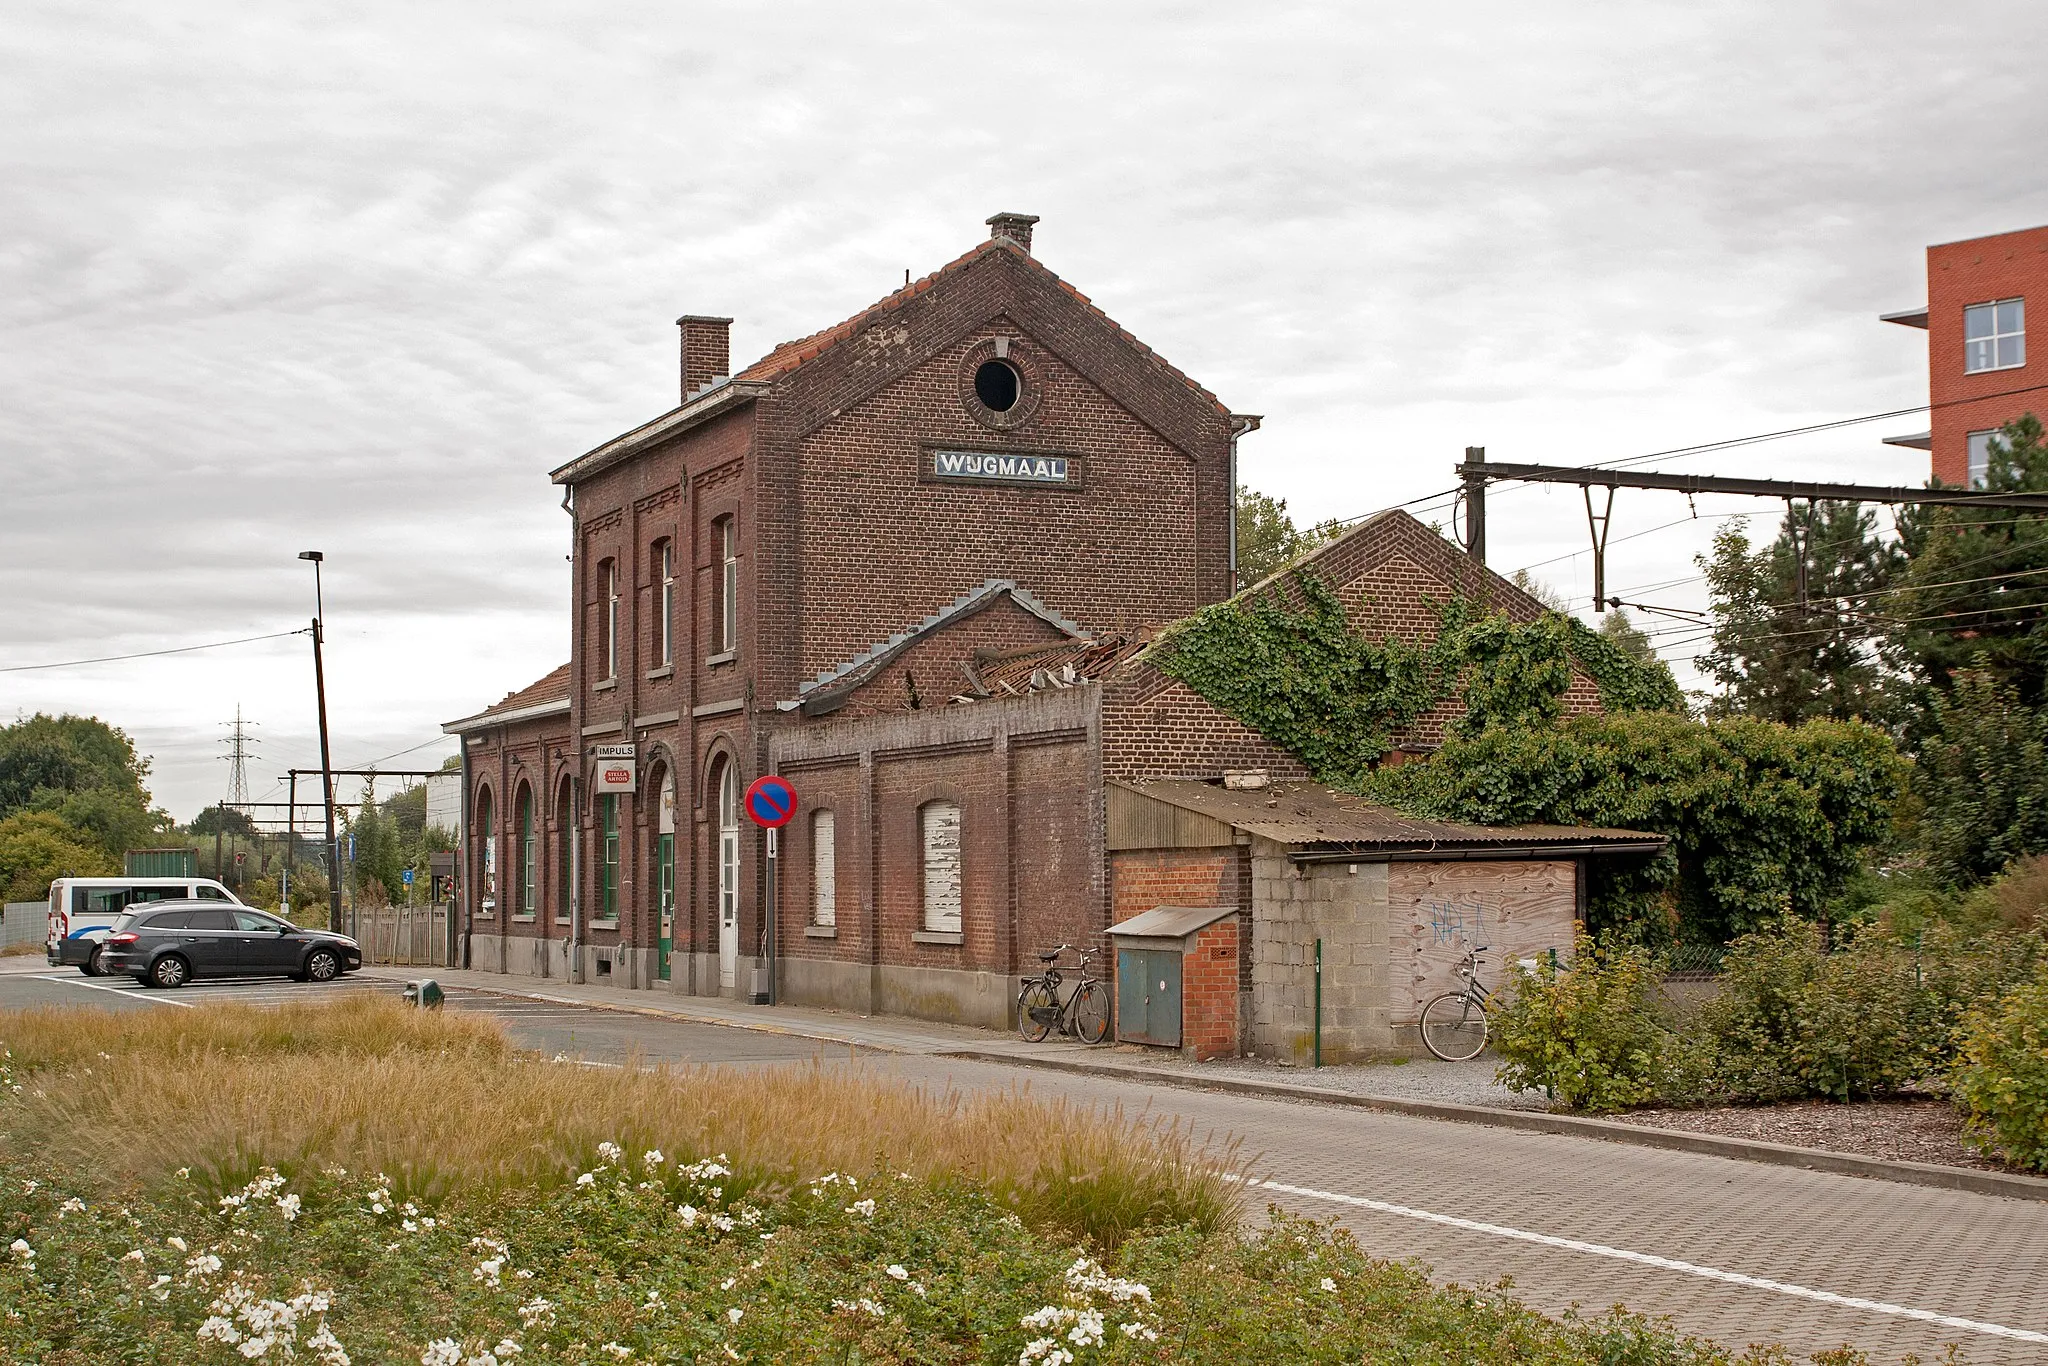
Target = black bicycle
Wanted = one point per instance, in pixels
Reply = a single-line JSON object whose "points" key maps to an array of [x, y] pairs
{"points": [[1454, 1022], [1085, 1015]]}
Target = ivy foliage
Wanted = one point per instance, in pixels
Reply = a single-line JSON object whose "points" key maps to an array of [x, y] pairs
{"points": [[1301, 674], [1764, 819]]}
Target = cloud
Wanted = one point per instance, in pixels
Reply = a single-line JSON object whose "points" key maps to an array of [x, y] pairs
{"points": [[300, 276]]}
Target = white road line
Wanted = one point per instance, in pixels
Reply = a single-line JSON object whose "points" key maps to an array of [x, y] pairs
{"points": [[134, 992], [1661, 1263]]}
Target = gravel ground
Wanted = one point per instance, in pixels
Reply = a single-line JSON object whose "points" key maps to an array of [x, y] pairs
{"points": [[1898, 1131]]}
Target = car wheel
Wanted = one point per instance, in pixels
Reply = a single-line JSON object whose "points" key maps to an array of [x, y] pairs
{"points": [[170, 971], [95, 962], [322, 965]]}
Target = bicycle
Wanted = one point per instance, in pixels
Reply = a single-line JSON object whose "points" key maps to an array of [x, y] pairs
{"points": [[1453, 1023], [1085, 1014]]}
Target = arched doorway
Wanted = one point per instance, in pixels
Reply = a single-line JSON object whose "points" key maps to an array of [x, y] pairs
{"points": [[725, 781], [665, 874]]}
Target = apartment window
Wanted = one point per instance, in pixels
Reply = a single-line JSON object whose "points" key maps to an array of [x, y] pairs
{"points": [[939, 827], [608, 618], [824, 870], [664, 629], [1980, 457], [528, 855], [1995, 335], [608, 831], [728, 632]]}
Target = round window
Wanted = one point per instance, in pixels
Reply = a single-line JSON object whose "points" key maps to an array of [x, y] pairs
{"points": [[997, 386]]}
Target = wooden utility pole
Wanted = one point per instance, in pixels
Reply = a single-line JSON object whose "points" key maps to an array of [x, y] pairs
{"points": [[1475, 502]]}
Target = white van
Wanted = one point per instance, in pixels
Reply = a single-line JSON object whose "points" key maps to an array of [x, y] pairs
{"points": [[82, 909]]}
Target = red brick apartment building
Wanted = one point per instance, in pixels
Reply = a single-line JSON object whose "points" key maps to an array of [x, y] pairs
{"points": [[1979, 375], [910, 563]]}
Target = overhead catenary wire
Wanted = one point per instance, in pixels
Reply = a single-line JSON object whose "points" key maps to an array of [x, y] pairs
{"points": [[151, 654]]}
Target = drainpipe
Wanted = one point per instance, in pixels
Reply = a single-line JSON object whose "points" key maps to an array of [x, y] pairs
{"points": [[1241, 424], [575, 954]]}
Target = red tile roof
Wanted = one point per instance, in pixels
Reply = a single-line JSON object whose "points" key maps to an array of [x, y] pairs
{"points": [[553, 688], [791, 354], [1060, 665]]}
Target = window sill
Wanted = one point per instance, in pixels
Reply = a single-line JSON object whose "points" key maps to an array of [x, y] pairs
{"points": [[606, 686], [1993, 369], [611, 925], [937, 937], [723, 657], [821, 931], [522, 920], [561, 920], [663, 672]]}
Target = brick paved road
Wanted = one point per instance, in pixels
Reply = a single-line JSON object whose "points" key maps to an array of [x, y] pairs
{"points": [[1662, 1232]]}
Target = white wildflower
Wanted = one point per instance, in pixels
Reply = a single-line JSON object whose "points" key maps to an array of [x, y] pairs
{"points": [[507, 1348], [159, 1289], [133, 1256], [184, 1173], [617, 1350], [1138, 1331], [537, 1312], [30, 1187], [441, 1352], [735, 1314], [218, 1329], [723, 1223], [327, 1347], [1087, 1329], [72, 1206], [1329, 1285], [863, 1305], [728, 1283], [651, 1159], [609, 1152], [204, 1264], [288, 1206], [688, 1214], [587, 1179], [864, 1208], [489, 1270], [175, 1243], [896, 1271], [20, 1248]]}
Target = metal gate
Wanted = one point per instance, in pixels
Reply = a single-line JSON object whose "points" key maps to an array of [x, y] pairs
{"points": [[1148, 996], [404, 936]]}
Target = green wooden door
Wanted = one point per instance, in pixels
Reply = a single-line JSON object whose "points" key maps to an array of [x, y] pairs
{"points": [[665, 855]]}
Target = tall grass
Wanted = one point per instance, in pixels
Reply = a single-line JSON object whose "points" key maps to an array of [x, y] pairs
{"points": [[442, 1104]]}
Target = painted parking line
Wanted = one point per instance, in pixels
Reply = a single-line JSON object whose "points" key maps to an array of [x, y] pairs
{"points": [[136, 992], [1661, 1263]]}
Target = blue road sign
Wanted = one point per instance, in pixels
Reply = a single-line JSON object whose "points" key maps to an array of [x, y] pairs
{"points": [[406, 877], [771, 801]]}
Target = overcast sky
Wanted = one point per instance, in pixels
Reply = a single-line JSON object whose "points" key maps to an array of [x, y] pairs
{"points": [[280, 277]]}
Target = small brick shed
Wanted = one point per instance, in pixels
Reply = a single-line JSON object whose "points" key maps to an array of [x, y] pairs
{"points": [[1176, 979], [1396, 903]]}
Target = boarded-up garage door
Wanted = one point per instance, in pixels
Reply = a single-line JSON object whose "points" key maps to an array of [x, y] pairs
{"points": [[1437, 911]]}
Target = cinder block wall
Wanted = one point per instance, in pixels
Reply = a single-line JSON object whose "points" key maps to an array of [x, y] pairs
{"points": [[1346, 906]]}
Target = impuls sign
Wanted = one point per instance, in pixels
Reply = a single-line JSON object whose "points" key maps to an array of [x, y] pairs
{"points": [[617, 768]]}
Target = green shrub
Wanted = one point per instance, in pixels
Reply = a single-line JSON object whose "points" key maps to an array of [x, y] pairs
{"points": [[1590, 1035], [2001, 1078]]}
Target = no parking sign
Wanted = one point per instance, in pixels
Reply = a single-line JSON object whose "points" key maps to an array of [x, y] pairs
{"points": [[770, 802]]}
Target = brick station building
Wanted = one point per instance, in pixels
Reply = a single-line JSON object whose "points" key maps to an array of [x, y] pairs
{"points": [[910, 564]]}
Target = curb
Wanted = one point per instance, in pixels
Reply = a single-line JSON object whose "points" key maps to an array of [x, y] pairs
{"points": [[1532, 1121]]}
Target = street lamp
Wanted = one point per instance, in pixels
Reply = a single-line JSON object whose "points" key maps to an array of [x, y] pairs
{"points": [[326, 762]]}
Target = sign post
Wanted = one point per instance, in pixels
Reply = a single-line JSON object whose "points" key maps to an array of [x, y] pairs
{"points": [[770, 802]]}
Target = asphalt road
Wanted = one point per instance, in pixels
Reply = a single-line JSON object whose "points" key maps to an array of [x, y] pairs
{"points": [[1732, 1250]]}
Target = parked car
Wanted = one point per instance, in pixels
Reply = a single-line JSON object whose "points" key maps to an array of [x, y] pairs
{"points": [[83, 911], [171, 942]]}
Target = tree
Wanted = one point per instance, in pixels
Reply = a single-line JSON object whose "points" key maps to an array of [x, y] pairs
{"points": [[1790, 656], [1974, 594], [1538, 589], [1627, 637], [1983, 779], [37, 847], [1267, 539], [82, 770], [225, 820]]}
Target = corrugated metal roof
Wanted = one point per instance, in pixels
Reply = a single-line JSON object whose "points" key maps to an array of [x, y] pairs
{"points": [[1171, 922], [1310, 814]]}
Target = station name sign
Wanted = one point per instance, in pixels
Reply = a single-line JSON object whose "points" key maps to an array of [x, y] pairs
{"points": [[989, 467]]}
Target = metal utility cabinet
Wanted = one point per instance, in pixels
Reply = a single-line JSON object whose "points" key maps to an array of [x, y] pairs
{"points": [[1177, 979]]}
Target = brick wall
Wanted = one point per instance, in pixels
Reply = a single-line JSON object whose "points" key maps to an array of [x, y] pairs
{"points": [[2008, 265], [1209, 994]]}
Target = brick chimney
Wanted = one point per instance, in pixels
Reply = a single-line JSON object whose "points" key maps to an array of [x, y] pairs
{"points": [[707, 351], [1015, 226]]}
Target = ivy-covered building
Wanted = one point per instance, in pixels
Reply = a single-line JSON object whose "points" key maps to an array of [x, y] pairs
{"points": [[955, 568]]}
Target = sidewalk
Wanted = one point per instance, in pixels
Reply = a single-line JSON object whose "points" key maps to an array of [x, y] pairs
{"points": [[1381, 1088]]}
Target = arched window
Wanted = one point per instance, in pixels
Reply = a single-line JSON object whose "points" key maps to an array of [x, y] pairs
{"points": [[529, 850], [824, 870], [939, 833], [664, 626], [608, 618], [486, 856], [565, 859], [727, 627]]}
